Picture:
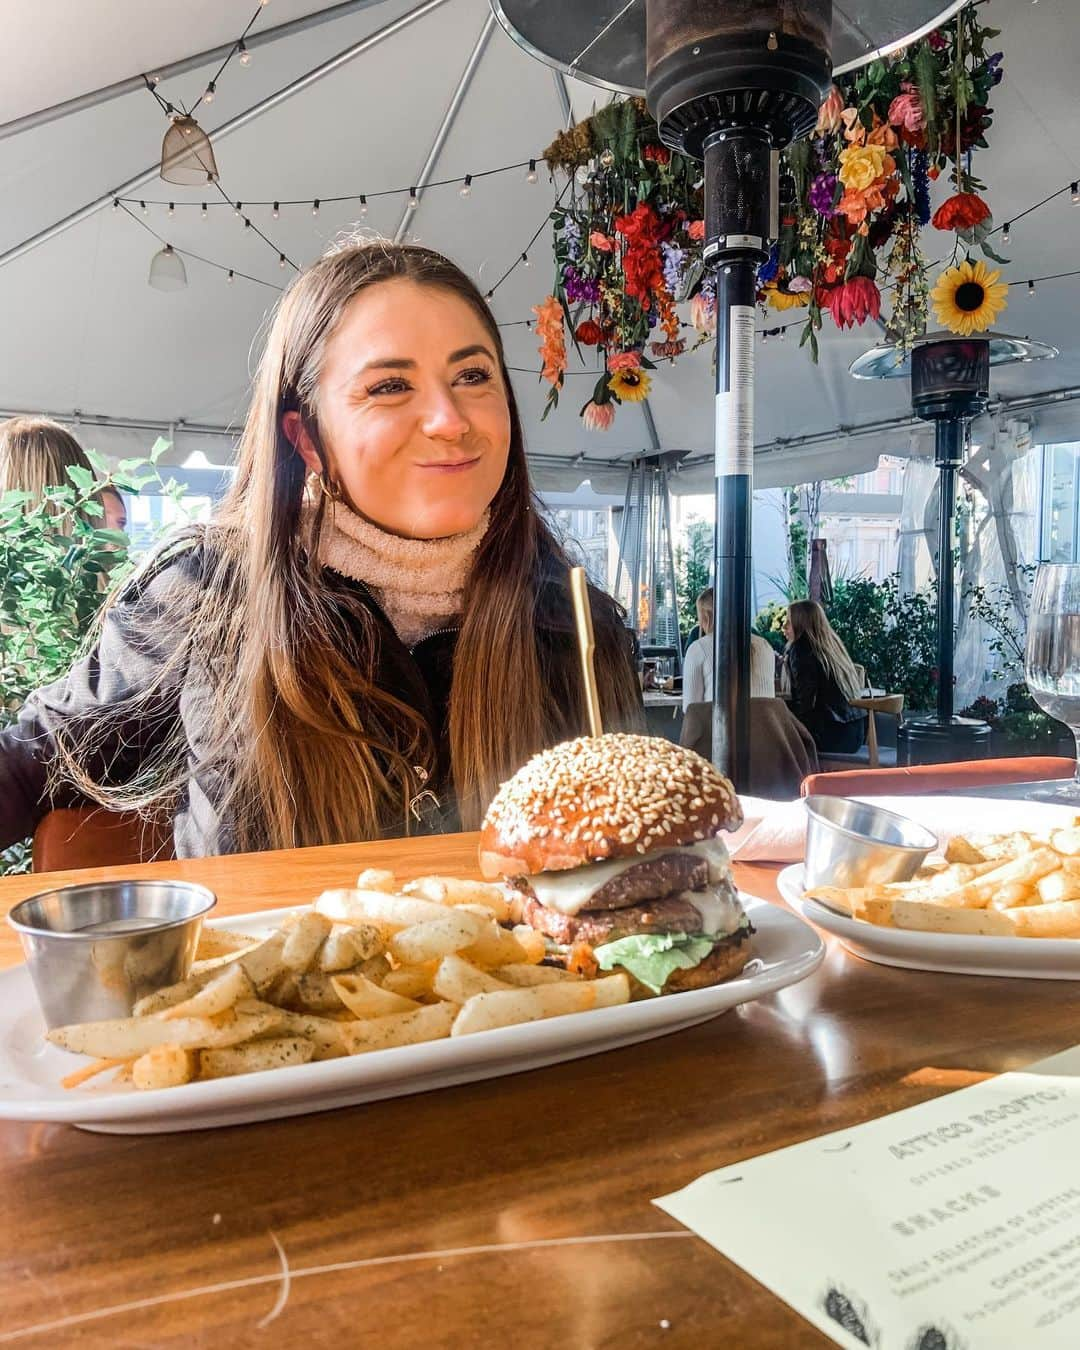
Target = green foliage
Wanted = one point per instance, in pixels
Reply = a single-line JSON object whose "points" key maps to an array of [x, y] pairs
{"points": [[57, 565], [769, 624], [692, 570]]}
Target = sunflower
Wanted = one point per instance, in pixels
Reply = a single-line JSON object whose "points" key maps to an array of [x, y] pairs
{"points": [[968, 298], [781, 299], [631, 386]]}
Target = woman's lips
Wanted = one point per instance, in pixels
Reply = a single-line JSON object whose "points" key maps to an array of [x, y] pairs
{"points": [[451, 465]]}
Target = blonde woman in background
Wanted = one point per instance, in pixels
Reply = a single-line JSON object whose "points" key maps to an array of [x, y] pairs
{"points": [[35, 454], [698, 661], [822, 679]]}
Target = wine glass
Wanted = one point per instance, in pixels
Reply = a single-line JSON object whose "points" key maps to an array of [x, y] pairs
{"points": [[1052, 664]]}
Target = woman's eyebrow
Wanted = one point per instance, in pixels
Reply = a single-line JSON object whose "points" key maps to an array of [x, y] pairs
{"points": [[477, 349], [404, 363]]}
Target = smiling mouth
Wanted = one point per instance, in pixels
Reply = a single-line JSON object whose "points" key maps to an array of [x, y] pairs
{"points": [[451, 465]]}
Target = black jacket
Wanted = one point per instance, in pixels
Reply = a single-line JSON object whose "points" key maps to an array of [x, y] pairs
{"points": [[819, 702], [145, 629]]}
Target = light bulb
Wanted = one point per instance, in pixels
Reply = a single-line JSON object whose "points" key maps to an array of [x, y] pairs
{"points": [[1074, 192], [363, 205], [245, 55], [525, 259], [532, 175], [466, 186], [764, 337], [782, 332], [1005, 232], [144, 210], [414, 201], [1031, 288], [276, 211], [490, 296], [172, 210], [116, 203], [281, 260], [203, 212], [229, 278], [315, 207], [247, 223], [211, 90], [238, 209]]}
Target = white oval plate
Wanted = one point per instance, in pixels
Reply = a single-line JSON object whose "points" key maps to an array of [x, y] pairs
{"points": [[785, 950], [954, 953]]}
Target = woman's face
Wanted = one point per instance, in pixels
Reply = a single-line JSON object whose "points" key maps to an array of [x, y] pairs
{"points": [[789, 632], [413, 411]]}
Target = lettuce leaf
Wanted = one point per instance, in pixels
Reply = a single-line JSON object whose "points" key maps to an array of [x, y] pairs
{"points": [[651, 957]]}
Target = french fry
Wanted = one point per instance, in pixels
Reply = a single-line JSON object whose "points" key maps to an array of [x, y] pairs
{"points": [[225, 990], [130, 1037], [495, 946], [304, 940], [534, 944], [217, 942], [376, 879], [80, 1076], [323, 1032], [454, 891], [1027, 868], [315, 992], [171, 995], [961, 850], [428, 941], [1060, 885], [1060, 919], [275, 1053], [163, 1067], [525, 977], [485, 1012], [928, 917], [457, 980], [409, 981], [1066, 841], [1012, 894], [431, 1023], [347, 946], [376, 907], [364, 998]]}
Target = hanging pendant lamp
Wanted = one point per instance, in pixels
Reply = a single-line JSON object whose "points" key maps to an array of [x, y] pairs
{"points": [[187, 157], [167, 270]]}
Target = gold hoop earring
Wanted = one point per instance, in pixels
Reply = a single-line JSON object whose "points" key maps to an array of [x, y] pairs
{"points": [[330, 490]]}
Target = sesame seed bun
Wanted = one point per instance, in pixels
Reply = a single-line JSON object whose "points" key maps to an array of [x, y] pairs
{"points": [[603, 797]]}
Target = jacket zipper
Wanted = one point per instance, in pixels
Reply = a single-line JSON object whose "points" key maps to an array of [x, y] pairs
{"points": [[439, 632]]}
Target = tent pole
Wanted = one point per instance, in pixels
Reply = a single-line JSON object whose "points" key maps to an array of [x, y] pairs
{"points": [[218, 134]]}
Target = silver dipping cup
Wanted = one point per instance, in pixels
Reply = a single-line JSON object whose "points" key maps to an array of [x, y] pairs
{"points": [[93, 950], [854, 844]]}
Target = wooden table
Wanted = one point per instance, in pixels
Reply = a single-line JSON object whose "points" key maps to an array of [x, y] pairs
{"points": [[510, 1213]]}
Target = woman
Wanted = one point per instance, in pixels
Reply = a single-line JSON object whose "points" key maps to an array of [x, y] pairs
{"points": [[822, 679], [35, 454], [375, 629], [698, 662]]}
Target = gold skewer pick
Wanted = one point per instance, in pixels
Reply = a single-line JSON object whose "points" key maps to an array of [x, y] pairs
{"points": [[579, 590]]}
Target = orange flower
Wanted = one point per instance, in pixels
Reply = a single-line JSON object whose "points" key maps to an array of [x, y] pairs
{"points": [[549, 328], [603, 243], [883, 134], [624, 361], [829, 113], [669, 320], [696, 230]]}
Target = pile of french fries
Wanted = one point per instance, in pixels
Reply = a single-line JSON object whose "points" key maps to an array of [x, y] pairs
{"points": [[1013, 885], [365, 969]]}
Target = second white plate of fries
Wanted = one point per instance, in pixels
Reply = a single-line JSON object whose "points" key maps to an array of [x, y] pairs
{"points": [[372, 992], [1000, 898]]}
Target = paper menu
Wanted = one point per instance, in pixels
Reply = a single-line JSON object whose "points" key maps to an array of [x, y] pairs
{"points": [[954, 1225]]}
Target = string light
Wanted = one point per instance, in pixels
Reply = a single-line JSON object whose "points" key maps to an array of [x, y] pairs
{"points": [[245, 55], [532, 175], [116, 203], [525, 260], [229, 278], [1074, 192], [247, 223], [211, 90], [466, 186], [782, 332], [315, 207], [238, 209], [144, 210], [1031, 288], [764, 337], [172, 209], [363, 205], [203, 211], [276, 211], [414, 200], [1005, 232], [281, 260], [489, 296]]}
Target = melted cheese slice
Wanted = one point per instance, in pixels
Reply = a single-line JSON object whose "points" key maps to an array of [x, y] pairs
{"points": [[569, 892]]}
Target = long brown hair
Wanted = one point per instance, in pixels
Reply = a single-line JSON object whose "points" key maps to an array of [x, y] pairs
{"points": [[809, 620], [35, 454], [314, 750]]}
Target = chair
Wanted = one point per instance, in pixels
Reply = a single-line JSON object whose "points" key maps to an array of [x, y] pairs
{"points": [[88, 836], [782, 751], [934, 779], [890, 705]]}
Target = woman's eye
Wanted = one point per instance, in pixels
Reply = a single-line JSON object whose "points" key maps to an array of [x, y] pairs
{"points": [[475, 375], [389, 387]]}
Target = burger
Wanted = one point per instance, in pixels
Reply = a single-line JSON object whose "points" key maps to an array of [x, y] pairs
{"points": [[609, 846]]}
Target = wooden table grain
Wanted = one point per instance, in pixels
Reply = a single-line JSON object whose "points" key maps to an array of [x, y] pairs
{"points": [[509, 1213]]}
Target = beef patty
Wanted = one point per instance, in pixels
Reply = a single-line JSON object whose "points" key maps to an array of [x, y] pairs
{"points": [[650, 879], [669, 915]]}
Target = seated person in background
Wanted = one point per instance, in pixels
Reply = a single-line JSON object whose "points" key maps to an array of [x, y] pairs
{"points": [[822, 680], [35, 454], [115, 517], [698, 661]]}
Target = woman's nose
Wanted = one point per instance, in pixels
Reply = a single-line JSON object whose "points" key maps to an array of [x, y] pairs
{"points": [[442, 419]]}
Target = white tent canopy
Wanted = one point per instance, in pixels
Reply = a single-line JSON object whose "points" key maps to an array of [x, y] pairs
{"points": [[436, 84]]}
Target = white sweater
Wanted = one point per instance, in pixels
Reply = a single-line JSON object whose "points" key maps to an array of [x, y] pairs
{"points": [[697, 680]]}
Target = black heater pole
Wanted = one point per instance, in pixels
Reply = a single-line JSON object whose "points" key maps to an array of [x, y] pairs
{"points": [[950, 436], [736, 233]]}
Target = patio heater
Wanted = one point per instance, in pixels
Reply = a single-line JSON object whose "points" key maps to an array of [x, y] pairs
{"points": [[645, 572], [950, 385], [729, 82]]}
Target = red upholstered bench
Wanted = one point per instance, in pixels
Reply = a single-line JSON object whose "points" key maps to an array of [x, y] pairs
{"points": [[934, 778], [87, 836]]}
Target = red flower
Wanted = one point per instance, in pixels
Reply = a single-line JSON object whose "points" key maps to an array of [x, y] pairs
{"points": [[642, 224], [659, 154], [937, 40], [589, 332], [696, 230], [601, 242], [961, 212], [853, 302]]}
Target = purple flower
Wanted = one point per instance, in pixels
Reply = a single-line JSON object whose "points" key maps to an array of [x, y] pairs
{"points": [[571, 232], [578, 287], [674, 260], [769, 268], [920, 180], [823, 194]]}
